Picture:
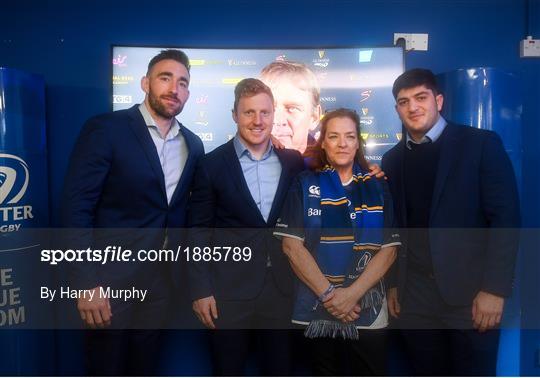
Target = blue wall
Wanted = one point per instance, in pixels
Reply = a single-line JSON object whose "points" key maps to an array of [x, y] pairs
{"points": [[69, 44]]}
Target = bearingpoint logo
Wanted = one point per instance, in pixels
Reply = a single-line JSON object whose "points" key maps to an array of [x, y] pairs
{"points": [[14, 179]]}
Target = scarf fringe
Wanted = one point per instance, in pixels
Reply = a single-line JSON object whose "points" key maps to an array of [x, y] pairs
{"points": [[329, 328]]}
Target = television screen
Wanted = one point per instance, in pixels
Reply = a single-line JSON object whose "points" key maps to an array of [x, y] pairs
{"points": [[306, 83]]}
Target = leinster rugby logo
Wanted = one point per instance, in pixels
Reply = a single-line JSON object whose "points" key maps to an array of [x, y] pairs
{"points": [[13, 179]]}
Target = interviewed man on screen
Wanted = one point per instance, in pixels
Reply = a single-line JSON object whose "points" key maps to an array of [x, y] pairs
{"points": [[131, 170], [297, 103]]}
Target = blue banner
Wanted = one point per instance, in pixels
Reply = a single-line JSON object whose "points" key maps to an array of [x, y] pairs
{"points": [[23, 208]]}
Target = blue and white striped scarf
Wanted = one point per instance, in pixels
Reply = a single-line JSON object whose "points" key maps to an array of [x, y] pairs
{"points": [[343, 239]]}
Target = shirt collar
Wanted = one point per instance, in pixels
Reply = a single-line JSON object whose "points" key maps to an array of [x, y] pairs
{"points": [[431, 136], [241, 149], [149, 121]]}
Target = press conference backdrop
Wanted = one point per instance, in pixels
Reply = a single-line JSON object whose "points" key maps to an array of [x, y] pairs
{"points": [[357, 78]]}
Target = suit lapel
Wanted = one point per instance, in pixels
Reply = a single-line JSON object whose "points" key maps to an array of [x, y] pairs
{"points": [[450, 151], [282, 188], [188, 167], [140, 129], [237, 177]]}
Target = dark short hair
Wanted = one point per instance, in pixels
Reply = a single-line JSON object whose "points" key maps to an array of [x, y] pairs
{"points": [[316, 155], [248, 88], [177, 55], [414, 78]]}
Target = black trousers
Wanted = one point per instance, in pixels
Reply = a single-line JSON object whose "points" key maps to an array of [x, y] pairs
{"points": [[132, 345], [337, 357], [440, 339], [122, 352], [261, 324]]}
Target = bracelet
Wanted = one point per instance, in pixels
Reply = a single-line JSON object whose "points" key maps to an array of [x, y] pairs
{"points": [[324, 296]]}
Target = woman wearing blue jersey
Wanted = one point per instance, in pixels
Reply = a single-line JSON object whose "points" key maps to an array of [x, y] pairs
{"points": [[336, 227]]}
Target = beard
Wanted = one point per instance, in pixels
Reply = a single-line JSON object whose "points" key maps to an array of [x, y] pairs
{"points": [[161, 109]]}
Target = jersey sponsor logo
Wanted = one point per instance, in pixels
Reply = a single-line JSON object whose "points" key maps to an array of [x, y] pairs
{"points": [[313, 212]]}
